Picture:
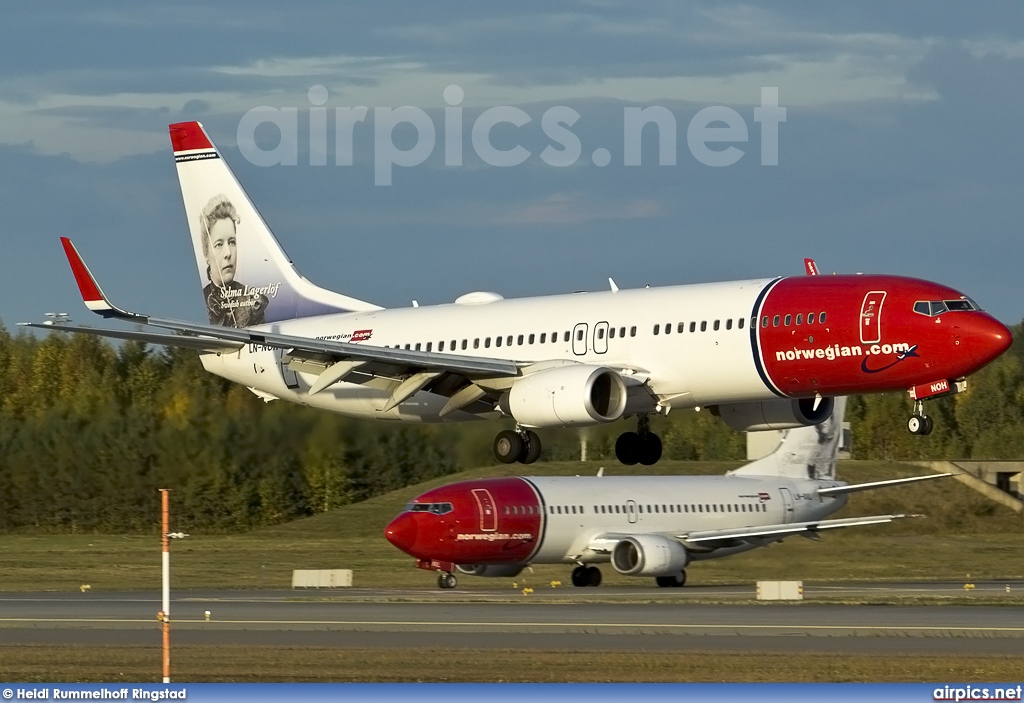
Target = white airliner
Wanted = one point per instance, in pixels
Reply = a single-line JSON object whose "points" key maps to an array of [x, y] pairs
{"points": [[762, 354], [644, 525]]}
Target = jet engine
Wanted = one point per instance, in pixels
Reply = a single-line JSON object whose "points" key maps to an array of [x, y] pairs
{"points": [[567, 395], [649, 555], [491, 570], [774, 414]]}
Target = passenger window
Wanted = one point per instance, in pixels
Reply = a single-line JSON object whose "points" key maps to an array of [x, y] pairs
{"points": [[704, 326], [693, 326], [632, 331], [600, 333], [728, 324], [567, 336], [543, 337], [718, 323], [764, 321], [464, 342], [497, 341], [440, 346], [656, 328], [739, 322], [417, 346], [775, 321], [810, 318], [622, 331], [407, 346], [821, 318], [531, 339], [476, 343], [611, 333], [554, 337], [668, 328], [800, 319], [789, 318], [487, 343], [429, 345], [579, 335]]}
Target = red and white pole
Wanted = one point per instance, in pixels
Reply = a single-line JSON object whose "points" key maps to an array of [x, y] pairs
{"points": [[165, 614]]}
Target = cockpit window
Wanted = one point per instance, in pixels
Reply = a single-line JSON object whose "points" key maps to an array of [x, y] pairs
{"points": [[435, 508], [937, 307]]}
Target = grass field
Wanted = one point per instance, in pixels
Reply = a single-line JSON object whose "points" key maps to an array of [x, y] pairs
{"points": [[964, 537], [340, 664]]}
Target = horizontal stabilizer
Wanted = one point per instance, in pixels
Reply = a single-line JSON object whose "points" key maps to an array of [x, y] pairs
{"points": [[839, 490]]}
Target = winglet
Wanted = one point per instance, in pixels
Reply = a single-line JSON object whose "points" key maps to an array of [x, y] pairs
{"points": [[189, 136], [810, 267], [89, 288]]}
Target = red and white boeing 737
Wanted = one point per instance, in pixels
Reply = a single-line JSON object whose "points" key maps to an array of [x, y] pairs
{"points": [[766, 353], [644, 525]]}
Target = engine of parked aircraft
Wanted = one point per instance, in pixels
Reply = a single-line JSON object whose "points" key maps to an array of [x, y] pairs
{"points": [[649, 555], [490, 570], [567, 395], [774, 414]]}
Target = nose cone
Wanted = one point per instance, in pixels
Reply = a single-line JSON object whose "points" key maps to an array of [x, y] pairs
{"points": [[987, 338], [401, 532]]}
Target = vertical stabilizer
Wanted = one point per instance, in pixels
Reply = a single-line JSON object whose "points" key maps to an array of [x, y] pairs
{"points": [[805, 452], [247, 278]]}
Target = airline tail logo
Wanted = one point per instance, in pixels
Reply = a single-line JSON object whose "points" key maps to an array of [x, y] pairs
{"points": [[229, 302]]}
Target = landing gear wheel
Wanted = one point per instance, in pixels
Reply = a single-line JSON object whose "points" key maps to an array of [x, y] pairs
{"points": [[580, 577], [676, 581], [650, 449], [446, 580], [508, 447], [593, 576], [627, 448], [531, 448], [919, 424]]}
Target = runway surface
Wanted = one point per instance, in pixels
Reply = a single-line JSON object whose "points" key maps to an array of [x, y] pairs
{"points": [[565, 618]]}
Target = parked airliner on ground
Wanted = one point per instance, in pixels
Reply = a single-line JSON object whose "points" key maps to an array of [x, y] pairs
{"points": [[644, 525], [762, 354]]}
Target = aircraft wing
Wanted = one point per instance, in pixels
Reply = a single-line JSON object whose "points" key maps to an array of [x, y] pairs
{"points": [[201, 336], [762, 534]]}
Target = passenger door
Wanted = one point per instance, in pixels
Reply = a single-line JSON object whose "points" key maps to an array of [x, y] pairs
{"points": [[787, 505], [579, 339], [486, 509], [601, 338]]}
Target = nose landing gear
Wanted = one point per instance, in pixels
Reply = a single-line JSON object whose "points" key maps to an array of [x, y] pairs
{"points": [[642, 446], [919, 423], [519, 445], [447, 580]]}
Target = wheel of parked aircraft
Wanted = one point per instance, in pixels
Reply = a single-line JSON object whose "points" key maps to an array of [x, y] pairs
{"points": [[593, 575], [446, 580], [531, 448], [675, 581], [508, 447], [650, 449], [627, 448], [928, 425], [580, 577]]}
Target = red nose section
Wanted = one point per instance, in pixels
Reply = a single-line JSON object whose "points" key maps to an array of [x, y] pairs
{"points": [[987, 338], [402, 532]]}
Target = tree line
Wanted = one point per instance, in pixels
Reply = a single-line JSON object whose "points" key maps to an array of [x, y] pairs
{"points": [[89, 431]]}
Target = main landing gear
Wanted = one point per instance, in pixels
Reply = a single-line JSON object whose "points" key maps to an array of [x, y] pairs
{"points": [[642, 446], [446, 580], [919, 423], [519, 445], [583, 576], [675, 581]]}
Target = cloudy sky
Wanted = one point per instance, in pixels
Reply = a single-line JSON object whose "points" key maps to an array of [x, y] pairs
{"points": [[901, 151]]}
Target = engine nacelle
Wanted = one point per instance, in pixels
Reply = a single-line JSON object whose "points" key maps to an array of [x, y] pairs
{"points": [[567, 395], [649, 555], [490, 570], [775, 414]]}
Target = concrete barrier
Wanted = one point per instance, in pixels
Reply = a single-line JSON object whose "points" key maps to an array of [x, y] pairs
{"points": [[322, 578], [780, 590]]}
